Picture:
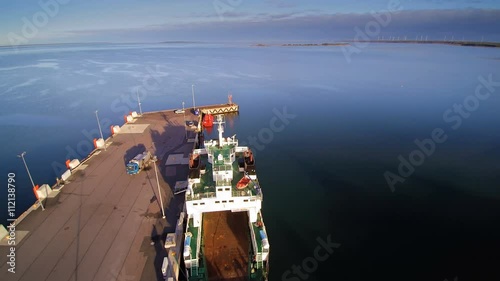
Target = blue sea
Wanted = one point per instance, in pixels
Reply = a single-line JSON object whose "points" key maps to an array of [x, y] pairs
{"points": [[392, 157]]}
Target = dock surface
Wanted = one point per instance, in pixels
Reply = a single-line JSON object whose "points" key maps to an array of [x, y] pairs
{"points": [[104, 224]]}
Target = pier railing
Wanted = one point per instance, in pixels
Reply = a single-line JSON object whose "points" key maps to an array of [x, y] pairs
{"points": [[220, 108]]}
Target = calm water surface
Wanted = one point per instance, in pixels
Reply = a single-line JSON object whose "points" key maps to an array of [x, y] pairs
{"points": [[323, 171]]}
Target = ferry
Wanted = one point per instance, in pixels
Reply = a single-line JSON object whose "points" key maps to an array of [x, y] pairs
{"points": [[225, 236]]}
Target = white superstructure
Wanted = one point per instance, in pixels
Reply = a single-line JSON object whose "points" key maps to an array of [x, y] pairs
{"points": [[219, 194], [222, 177]]}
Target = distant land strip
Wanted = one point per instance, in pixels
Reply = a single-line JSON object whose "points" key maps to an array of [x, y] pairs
{"points": [[302, 44], [456, 43], [346, 43]]}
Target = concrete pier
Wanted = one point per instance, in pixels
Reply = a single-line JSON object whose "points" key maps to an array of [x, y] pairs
{"points": [[104, 224]]}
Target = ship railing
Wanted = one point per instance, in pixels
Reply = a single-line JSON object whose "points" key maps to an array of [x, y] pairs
{"points": [[194, 267], [198, 239], [223, 167], [240, 149], [254, 241], [198, 245], [256, 250], [200, 151], [222, 182], [258, 259], [195, 261], [245, 193], [201, 195]]}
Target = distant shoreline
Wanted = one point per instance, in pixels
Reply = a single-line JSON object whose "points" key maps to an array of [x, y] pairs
{"points": [[325, 44], [455, 43], [347, 43], [302, 44]]}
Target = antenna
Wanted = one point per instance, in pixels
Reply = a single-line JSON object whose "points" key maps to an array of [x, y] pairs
{"points": [[184, 114], [220, 128]]}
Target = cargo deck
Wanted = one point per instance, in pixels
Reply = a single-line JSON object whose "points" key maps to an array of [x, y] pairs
{"points": [[227, 244]]}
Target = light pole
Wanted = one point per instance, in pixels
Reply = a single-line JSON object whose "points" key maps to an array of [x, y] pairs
{"points": [[184, 113], [100, 130], [29, 175], [139, 101], [159, 191], [192, 90]]}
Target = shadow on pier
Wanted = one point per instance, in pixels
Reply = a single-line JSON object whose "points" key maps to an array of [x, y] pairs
{"points": [[132, 152]]}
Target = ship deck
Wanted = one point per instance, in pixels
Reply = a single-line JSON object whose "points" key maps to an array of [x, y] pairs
{"points": [[206, 188], [226, 245], [102, 222]]}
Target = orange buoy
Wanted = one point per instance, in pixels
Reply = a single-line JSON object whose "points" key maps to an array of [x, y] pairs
{"points": [[95, 143], [35, 189], [112, 130], [67, 163]]}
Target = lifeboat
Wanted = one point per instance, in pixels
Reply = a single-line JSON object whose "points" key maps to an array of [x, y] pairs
{"points": [[243, 183], [208, 120]]}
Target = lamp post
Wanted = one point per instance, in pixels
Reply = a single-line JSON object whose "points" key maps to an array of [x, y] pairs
{"points": [[184, 113], [100, 130], [29, 175], [139, 102], [192, 90], [158, 184]]}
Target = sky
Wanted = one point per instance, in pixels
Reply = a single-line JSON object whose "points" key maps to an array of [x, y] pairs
{"points": [[129, 21]]}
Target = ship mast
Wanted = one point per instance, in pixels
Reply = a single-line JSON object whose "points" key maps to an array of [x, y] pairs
{"points": [[220, 128]]}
